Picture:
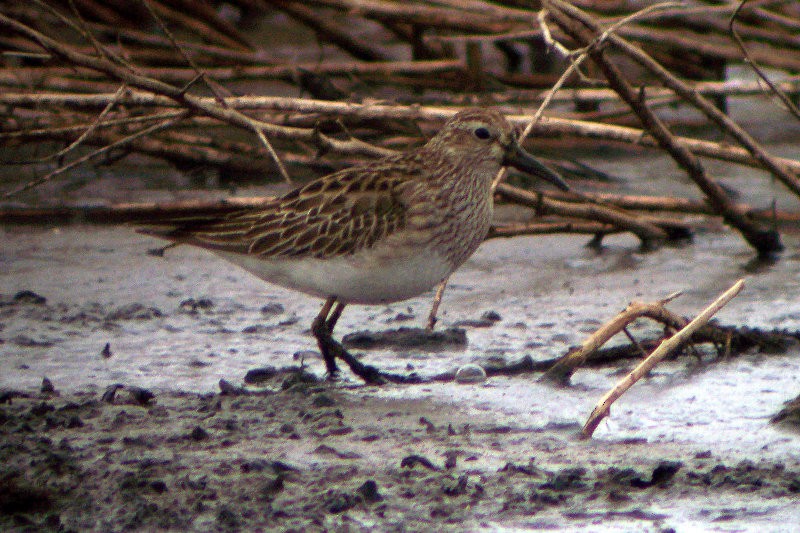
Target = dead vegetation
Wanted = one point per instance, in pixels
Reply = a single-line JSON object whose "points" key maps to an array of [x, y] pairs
{"points": [[90, 84]]}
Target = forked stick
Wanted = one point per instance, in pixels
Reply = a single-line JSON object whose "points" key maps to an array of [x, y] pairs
{"points": [[668, 346], [566, 365]]}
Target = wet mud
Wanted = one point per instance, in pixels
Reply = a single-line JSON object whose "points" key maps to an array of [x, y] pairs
{"points": [[142, 393], [305, 456]]}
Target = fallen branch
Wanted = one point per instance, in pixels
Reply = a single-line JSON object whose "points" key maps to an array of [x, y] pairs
{"points": [[764, 240], [787, 102], [649, 234], [683, 90], [548, 125], [603, 407], [97, 153], [563, 369]]}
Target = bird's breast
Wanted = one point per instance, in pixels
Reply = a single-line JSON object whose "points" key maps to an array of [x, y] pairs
{"points": [[371, 276]]}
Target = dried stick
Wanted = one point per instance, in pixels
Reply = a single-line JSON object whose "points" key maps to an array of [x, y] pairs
{"points": [[561, 372], [208, 25], [678, 205], [649, 234], [548, 228], [576, 58], [567, 224], [668, 346], [548, 125], [105, 149], [702, 104], [98, 122], [61, 132], [213, 86], [764, 241], [373, 70], [123, 74], [494, 20], [706, 88], [636, 136], [787, 102], [329, 30], [574, 66]]}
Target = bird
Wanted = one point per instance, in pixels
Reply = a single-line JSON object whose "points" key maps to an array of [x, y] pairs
{"points": [[380, 232]]}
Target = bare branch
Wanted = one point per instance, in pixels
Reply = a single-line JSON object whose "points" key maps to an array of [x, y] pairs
{"points": [[120, 143], [668, 346], [787, 102]]}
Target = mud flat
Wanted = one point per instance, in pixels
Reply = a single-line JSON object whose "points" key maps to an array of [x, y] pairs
{"points": [[690, 448]]}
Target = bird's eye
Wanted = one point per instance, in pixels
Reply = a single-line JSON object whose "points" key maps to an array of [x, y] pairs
{"points": [[482, 133]]}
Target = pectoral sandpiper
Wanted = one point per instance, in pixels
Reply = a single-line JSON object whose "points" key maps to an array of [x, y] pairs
{"points": [[375, 233]]}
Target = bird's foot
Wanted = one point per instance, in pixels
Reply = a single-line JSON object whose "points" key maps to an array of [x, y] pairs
{"points": [[332, 350], [372, 376]]}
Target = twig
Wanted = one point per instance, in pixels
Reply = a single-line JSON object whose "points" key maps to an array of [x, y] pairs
{"points": [[329, 30], [98, 122], [702, 104], [548, 125], [122, 142], [563, 369], [263, 138], [576, 58], [573, 67], [648, 233], [677, 205], [189, 61], [787, 102], [82, 29], [668, 346], [764, 240], [57, 132]]}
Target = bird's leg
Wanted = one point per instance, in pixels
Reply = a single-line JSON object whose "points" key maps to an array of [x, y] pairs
{"points": [[333, 318], [322, 327], [323, 333], [435, 307], [370, 374], [331, 349]]}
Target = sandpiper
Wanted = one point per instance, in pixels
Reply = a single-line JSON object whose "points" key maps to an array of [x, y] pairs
{"points": [[380, 232]]}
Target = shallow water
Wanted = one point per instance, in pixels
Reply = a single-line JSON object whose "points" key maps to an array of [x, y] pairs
{"points": [[549, 291]]}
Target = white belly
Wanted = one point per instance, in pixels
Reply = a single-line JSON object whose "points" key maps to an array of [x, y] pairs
{"points": [[364, 278]]}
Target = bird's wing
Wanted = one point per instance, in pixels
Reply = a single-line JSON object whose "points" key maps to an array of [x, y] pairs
{"points": [[338, 214]]}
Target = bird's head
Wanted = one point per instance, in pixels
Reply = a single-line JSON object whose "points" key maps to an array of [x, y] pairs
{"points": [[484, 136]]}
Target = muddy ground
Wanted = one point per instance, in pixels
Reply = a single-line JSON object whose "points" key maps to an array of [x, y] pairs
{"points": [[690, 448], [311, 457]]}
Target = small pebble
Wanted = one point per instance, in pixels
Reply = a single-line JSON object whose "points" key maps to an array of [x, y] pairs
{"points": [[193, 306], [369, 491], [140, 395], [492, 316], [258, 376], [197, 434], [226, 387], [410, 461], [323, 400], [111, 391], [272, 309], [29, 297], [47, 386], [470, 373]]}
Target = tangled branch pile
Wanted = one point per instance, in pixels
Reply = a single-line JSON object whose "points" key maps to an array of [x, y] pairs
{"points": [[88, 81]]}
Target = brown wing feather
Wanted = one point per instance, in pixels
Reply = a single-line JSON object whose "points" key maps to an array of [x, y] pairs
{"points": [[335, 215]]}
